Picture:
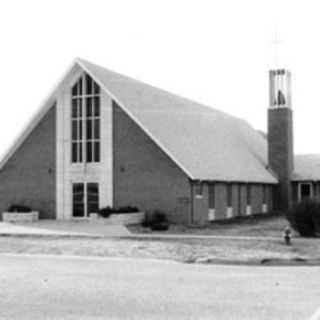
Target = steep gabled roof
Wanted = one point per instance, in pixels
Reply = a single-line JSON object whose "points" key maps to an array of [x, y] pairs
{"points": [[307, 167], [205, 143], [208, 144]]}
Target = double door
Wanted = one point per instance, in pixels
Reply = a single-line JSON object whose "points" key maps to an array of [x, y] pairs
{"points": [[85, 199]]}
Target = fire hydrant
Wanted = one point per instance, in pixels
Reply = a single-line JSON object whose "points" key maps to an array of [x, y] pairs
{"points": [[287, 236]]}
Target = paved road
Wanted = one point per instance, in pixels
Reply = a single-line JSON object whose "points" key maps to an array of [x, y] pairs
{"points": [[40, 287]]}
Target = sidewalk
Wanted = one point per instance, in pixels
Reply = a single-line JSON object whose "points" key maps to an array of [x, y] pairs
{"points": [[197, 236], [63, 229]]}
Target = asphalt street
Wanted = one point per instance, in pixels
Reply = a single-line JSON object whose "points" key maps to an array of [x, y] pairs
{"points": [[44, 287]]}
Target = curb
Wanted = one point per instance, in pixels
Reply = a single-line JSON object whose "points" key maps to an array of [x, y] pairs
{"points": [[296, 262], [43, 235]]}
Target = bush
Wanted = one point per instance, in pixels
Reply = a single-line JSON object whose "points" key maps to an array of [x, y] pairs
{"points": [[305, 218], [128, 209], [107, 211], [157, 221], [19, 208]]}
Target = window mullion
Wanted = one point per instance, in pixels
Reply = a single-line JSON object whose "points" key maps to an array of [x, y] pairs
{"points": [[84, 127], [78, 139], [92, 132]]}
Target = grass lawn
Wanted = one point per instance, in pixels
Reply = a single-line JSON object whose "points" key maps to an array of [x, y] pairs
{"points": [[256, 226], [180, 250], [187, 250], [191, 250]]}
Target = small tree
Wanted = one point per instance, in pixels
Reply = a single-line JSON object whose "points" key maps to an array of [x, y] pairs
{"points": [[156, 220], [305, 218]]}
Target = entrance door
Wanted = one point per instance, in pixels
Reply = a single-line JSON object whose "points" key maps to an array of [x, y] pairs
{"points": [[85, 199]]}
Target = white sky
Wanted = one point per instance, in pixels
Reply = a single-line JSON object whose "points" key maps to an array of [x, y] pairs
{"points": [[214, 52]]}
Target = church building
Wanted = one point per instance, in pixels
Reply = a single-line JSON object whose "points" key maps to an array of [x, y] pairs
{"points": [[103, 139]]}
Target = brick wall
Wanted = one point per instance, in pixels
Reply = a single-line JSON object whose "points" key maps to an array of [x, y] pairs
{"points": [[280, 153], [243, 197], [235, 199], [256, 198], [200, 205], [269, 197], [294, 192], [144, 176], [29, 176], [239, 200]]}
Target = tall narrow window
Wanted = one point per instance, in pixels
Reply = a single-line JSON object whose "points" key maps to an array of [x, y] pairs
{"points": [[264, 194], [76, 122], [78, 200], [229, 195], [305, 191], [198, 189], [85, 120], [92, 198], [249, 194], [212, 193]]}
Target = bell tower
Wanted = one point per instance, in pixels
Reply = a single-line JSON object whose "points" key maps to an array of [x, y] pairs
{"points": [[280, 136]]}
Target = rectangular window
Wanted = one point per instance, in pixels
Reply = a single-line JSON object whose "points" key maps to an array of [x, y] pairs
{"points": [[96, 88], [78, 200], [88, 84], [92, 198], [305, 191], [249, 194], [212, 194], [96, 151], [264, 193], [76, 130], [93, 129], [74, 108], [89, 151], [229, 195], [198, 189]]}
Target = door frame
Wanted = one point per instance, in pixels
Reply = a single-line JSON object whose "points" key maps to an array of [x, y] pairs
{"points": [[85, 197]]}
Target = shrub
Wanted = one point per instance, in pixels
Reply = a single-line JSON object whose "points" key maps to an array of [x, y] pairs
{"points": [[107, 211], [19, 208], [157, 220], [128, 209], [305, 218]]}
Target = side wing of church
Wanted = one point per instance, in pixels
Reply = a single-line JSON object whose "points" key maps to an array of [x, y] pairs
{"points": [[103, 139]]}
